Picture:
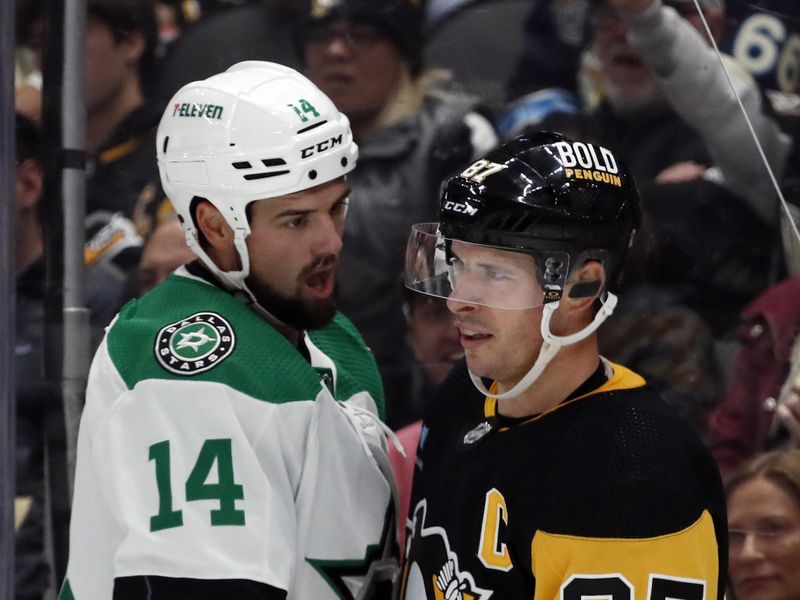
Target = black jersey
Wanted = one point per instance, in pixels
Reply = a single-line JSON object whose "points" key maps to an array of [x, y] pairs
{"points": [[609, 494]]}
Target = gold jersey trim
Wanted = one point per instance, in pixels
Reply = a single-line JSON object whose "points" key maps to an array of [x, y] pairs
{"points": [[621, 379]]}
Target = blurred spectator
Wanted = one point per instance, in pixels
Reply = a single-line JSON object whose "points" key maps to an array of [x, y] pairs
{"points": [[652, 54], [120, 121], [364, 54], [32, 396], [760, 36], [658, 75], [763, 377], [764, 528], [671, 347], [121, 39], [164, 251], [650, 62], [433, 338]]}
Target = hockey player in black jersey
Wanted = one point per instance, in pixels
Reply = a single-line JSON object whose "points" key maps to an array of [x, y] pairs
{"points": [[543, 470]]}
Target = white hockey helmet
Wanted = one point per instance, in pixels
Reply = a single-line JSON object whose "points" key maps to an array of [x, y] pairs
{"points": [[258, 130]]}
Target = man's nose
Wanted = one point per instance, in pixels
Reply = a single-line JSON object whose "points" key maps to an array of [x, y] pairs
{"points": [[463, 296], [330, 238], [457, 306]]}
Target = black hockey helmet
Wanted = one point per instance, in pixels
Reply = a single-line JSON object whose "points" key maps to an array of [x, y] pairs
{"points": [[544, 193], [513, 226]]}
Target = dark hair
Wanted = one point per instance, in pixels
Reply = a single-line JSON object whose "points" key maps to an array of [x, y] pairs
{"points": [[125, 17], [781, 467]]}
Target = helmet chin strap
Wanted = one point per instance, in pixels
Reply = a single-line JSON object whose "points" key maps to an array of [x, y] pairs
{"points": [[234, 281], [550, 347]]}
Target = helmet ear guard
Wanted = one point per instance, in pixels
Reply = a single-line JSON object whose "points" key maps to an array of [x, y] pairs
{"points": [[584, 289]]}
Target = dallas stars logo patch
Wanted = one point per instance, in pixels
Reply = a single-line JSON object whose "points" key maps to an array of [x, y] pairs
{"points": [[194, 344]]}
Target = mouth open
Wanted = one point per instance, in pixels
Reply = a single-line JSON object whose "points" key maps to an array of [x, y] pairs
{"points": [[321, 283]]}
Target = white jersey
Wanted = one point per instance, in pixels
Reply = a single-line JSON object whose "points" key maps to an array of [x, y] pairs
{"points": [[209, 450]]}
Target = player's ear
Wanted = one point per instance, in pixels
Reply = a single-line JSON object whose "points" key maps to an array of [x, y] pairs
{"points": [[134, 46], [30, 179], [216, 236], [213, 225]]}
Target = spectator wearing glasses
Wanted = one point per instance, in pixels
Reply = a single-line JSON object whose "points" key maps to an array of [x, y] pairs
{"points": [[764, 528], [364, 54]]}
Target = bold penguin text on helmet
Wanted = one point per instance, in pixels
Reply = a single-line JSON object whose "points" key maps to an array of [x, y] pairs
{"points": [[597, 163]]}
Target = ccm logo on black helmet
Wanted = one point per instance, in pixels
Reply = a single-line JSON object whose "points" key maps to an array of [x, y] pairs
{"points": [[321, 146], [460, 207]]}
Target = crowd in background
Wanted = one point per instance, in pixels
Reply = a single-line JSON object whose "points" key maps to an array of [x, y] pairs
{"points": [[709, 307]]}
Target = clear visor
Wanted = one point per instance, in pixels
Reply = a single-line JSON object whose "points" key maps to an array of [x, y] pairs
{"points": [[480, 274]]}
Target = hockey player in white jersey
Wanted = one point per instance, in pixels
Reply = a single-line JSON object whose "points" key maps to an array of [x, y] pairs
{"points": [[230, 445]]}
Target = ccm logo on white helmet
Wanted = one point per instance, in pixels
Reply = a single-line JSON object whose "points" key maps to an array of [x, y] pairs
{"points": [[321, 146]]}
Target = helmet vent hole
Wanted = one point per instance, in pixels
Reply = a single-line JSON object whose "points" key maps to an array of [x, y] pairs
{"points": [[312, 174], [166, 143], [344, 161], [273, 162], [513, 222], [310, 127], [242, 165]]}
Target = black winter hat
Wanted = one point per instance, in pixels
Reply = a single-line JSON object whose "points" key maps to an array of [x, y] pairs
{"points": [[400, 20]]}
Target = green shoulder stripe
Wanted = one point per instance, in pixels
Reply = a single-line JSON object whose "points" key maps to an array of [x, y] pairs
{"points": [[186, 329]]}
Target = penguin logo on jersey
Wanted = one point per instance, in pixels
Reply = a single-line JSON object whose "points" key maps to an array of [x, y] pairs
{"points": [[194, 344], [431, 571]]}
